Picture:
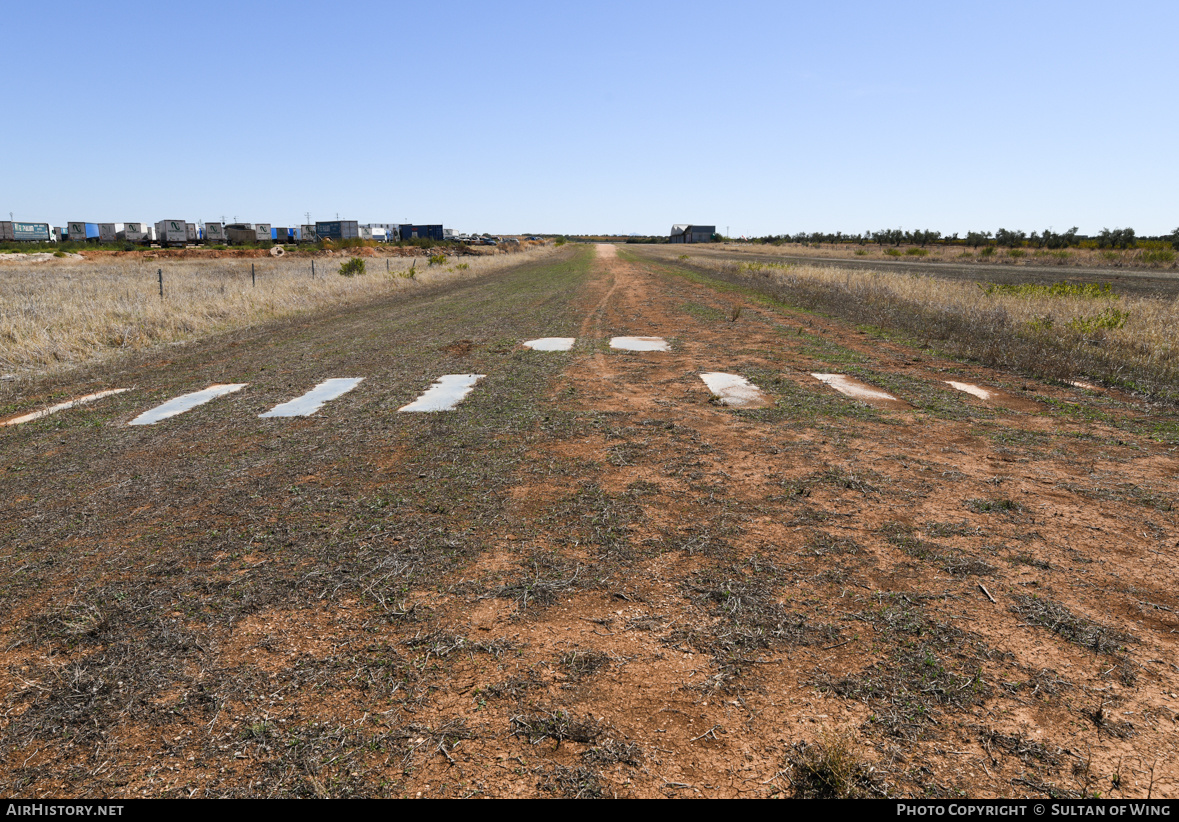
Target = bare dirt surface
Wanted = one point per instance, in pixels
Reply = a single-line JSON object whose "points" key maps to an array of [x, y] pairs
{"points": [[592, 578]]}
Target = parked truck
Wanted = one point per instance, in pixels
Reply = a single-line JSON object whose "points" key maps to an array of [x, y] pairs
{"points": [[16, 231]]}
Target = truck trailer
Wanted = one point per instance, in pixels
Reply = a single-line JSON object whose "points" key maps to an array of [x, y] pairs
{"points": [[18, 232], [338, 230], [80, 232], [172, 232], [110, 232], [139, 233]]}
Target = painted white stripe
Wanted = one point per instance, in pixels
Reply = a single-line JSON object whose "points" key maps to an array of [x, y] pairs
{"points": [[550, 343], [639, 343], [314, 399], [976, 390], [53, 409], [186, 402], [853, 388], [446, 392], [733, 390]]}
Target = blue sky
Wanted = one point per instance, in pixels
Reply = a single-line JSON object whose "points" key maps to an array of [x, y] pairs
{"points": [[609, 117]]}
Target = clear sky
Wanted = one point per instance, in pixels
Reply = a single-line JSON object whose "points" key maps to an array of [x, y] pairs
{"points": [[758, 117]]}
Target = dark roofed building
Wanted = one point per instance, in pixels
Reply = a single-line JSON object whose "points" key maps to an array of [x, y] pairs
{"points": [[692, 233]]}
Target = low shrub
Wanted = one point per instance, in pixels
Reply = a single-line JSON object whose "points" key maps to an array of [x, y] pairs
{"points": [[917, 252], [353, 267]]}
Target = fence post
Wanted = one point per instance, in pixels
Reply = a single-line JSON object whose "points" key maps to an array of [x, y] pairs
{"points": [[253, 279], [160, 273], [313, 269]]}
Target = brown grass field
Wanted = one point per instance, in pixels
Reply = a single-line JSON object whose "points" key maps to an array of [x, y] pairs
{"points": [[592, 579], [64, 312]]}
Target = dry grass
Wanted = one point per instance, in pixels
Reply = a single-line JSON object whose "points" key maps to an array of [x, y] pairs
{"points": [[64, 313], [1060, 333], [1148, 256]]}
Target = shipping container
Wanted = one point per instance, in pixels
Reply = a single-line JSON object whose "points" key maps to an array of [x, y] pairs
{"points": [[262, 233], [6, 231], [423, 232], [80, 232], [138, 233], [171, 232], [240, 234], [280, 234], [192, 235], [214, 233], [110, 232], [338, 230], [307, 234]]}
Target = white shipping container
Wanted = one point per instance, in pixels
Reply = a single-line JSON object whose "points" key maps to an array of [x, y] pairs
{"points": [[262, 232], [172, 232], [214, 233], [307, 234], [137, 232], [191, 232], [109, 232]]}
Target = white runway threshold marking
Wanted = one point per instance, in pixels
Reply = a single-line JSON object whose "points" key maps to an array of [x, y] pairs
{"points": [[853, 388], [186, 402], [446, 392], [62, 406], [314, 399], [734, 390], [976, 390], [639, 343], [550, 344]]}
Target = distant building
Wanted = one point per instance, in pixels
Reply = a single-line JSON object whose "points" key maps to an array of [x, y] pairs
{"points": [[692, 233]]}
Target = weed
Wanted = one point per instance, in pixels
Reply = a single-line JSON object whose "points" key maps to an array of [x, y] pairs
{"points": [[991, 506], [893, 252], [1016, 253], [917, 252], [573, 783], [986, 251], [832, 769], [437, 259], [1045, 613], [557, 725], [1087, 291], [352, 267], [581, 662], [1108, 320], [612, 752]]}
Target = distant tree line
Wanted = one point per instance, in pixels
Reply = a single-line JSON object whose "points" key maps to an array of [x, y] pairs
{"points": [[1112, 239]]}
